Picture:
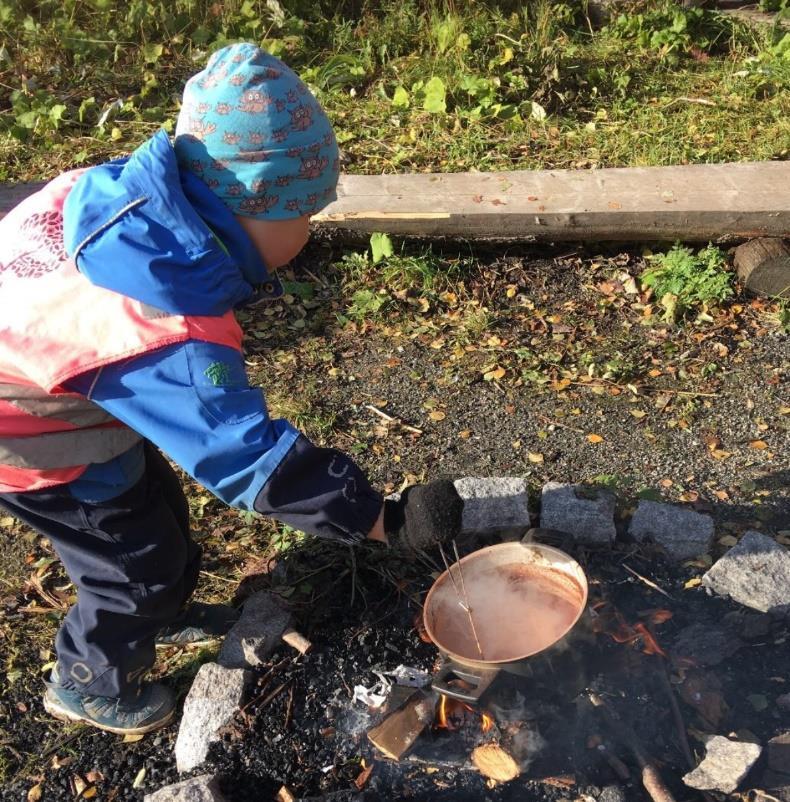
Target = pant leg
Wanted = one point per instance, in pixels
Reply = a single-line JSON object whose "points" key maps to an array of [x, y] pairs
{"points": [[160, 470], [127, 558]]}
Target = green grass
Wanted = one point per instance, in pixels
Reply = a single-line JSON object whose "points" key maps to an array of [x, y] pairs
{"points": [[409, 85]]}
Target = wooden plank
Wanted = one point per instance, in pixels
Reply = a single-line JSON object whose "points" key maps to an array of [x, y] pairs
{"points": [[691, 202], [753, 15]]}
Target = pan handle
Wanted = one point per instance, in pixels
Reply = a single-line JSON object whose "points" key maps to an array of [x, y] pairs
{"points": [[479, 678]]}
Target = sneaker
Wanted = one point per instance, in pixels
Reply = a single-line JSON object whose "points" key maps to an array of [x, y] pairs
{"points": [[199, 623], [150, 708]]}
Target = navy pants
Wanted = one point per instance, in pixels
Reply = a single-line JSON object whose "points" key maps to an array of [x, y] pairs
{"points": [[134, 565]]}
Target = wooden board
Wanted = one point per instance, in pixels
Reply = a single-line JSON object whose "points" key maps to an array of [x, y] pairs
{"points": [[691, 202]]}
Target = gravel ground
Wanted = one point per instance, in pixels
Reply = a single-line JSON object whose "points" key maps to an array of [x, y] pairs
{"points": [[715, 438]]}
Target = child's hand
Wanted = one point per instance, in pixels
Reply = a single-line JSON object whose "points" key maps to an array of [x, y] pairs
{"points": [[424, 516]]}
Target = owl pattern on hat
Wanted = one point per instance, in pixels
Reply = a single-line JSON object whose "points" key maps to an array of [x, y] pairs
{"points": [[252, 130]]}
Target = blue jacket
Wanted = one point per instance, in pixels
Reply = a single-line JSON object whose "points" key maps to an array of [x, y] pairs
{"points": [[184, 252]]}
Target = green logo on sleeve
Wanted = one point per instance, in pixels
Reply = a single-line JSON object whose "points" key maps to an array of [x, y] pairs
{"points": [[219, 374]]}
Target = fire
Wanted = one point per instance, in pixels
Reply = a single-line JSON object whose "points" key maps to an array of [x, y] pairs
{"points": [[452, 714], [612, 622]]}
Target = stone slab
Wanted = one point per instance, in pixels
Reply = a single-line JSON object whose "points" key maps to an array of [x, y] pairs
{"points": [[215, 696], [585, 512], [256, 634], [494, 505], [755, 573], [203, 788], [705, 644], [725, 765], [681, 533]]}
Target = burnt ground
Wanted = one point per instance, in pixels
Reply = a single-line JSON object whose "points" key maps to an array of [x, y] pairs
{"points": [[494, 370]]}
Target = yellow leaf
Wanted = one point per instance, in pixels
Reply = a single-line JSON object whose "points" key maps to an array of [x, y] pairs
{"points": [[131, 738], [638, 413], [437, 415], [784, 410], [465, 434], [89, 792], [693, 583], [495, 374], [535, 457], [34, 794], [758, 444], [511, 291], [139, 779], [595, 438], [718, 453]]}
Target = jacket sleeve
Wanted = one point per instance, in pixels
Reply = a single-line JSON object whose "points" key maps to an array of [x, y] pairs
{"points": [[193, 400]]}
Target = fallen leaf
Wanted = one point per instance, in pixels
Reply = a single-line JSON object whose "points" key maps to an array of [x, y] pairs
{"points": [[437, 415], [34, 794], [638, 413], [363, 777], [139, 779], [782, 411], [693, 583], [61, 762], [94, 776], [494, 374], [728, 540], [595, 438], [131, 738], [758, 444], [721, 495], [465, 434], [534, 456], [666, 483], [718, 453], [79, 784], [89, 793]]}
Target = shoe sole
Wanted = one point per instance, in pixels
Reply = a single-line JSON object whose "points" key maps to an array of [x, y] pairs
{"points": [[63, 714]]}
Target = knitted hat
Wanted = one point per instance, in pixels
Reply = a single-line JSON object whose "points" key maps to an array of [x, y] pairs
{"points": [[255, 134]]}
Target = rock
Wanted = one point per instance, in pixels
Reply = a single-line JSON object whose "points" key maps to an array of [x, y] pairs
{"points": [[749, 625], [775, 778], [725, 765], [211, 703], [612, 793], [705, 644], [755, 573], [494, 505], [197, 789], [681, 533], [257, 632], [587, 513]]}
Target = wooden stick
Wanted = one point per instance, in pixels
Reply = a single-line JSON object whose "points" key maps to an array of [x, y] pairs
{"points": [[297, 640], [398, 732], [464, 606], [466, 601], [651, 779], [390, 419]]}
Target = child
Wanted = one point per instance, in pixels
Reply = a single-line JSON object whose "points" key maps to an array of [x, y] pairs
{"points": [[118, 285]]}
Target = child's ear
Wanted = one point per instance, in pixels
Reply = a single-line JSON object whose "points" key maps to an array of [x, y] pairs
{"points": [[277, 241]]}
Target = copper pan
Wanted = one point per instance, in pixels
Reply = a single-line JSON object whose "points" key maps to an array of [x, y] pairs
{"points": [[511, 631]]}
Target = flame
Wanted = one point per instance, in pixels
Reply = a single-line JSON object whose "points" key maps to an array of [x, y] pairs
{"points": [[452, 715], [612, 622]]}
